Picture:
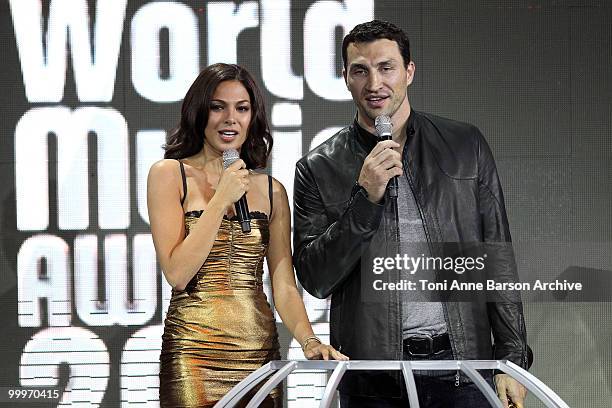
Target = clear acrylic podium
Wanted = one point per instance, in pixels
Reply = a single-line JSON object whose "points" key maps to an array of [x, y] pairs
{"points": [[277, 371]]}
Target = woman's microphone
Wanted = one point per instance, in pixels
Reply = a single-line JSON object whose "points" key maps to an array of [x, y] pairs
{"points": [[241, 206]]}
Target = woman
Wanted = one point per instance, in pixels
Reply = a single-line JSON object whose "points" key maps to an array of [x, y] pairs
{"points": [[219, 326]]}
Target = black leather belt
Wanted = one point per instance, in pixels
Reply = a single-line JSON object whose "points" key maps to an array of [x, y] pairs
{"points": [[424, 346]]}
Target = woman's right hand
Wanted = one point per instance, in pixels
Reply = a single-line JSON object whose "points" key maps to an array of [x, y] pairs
{"points": [[233, 184]]}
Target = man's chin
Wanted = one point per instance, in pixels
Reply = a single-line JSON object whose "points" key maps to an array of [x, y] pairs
{"points": [[372, 114]]}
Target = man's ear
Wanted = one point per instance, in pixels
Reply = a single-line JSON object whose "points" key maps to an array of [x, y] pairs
{"points": [[344, 75], [410, 70]]}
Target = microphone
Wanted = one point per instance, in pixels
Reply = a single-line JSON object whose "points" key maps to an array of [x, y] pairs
{"points": [[383, 129], [241, 207]]}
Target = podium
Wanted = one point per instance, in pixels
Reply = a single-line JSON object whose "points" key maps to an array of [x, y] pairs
{"points": [[276, 371]]}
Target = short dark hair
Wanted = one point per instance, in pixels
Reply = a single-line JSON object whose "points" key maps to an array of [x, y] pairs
{"points": [[188, 138], [376, 30]]}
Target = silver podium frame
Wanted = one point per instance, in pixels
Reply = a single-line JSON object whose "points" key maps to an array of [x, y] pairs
{"points": [[277, 371]]}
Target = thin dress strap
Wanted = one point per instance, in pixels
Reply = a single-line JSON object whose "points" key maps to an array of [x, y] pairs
{"points": [[270, 194], [184, 182]]}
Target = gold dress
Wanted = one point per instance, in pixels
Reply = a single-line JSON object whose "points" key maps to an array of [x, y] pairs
{"points": [[221, 327]]}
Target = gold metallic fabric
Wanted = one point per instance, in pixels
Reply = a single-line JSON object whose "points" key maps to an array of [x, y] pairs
{"points": [[220, 328]]}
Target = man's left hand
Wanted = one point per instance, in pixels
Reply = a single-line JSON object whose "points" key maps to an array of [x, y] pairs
{"points": [[508, 387]]}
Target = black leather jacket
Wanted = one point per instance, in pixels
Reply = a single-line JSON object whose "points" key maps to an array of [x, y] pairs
{"points": [[451, 171]]}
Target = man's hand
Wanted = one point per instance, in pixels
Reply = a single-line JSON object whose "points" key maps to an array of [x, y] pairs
{"points": [[378, 167], [508, 387]]}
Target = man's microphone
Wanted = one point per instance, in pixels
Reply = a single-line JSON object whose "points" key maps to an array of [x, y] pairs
{"points": [[242, 209], [383, 129]]}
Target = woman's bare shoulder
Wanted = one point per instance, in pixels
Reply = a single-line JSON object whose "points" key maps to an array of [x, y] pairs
{"points": [[164, 170]]}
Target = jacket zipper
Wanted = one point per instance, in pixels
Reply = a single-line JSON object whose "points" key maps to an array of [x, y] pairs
{"points": [[408, 175]]}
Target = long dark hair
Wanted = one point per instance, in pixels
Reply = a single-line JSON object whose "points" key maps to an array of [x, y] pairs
{"points": [[188, 138]]}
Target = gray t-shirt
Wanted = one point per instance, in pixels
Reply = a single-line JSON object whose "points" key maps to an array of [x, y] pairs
{"points": [[418, 317]]}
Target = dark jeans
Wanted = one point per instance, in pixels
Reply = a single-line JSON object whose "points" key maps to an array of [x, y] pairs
{"points": [[435, 390]]}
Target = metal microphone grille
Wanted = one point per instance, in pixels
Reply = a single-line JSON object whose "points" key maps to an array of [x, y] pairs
{"points": [[229, 157], [383, 125]]}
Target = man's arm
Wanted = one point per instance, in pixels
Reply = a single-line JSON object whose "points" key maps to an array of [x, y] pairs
{"points": [[325, 251], [506, 312]]}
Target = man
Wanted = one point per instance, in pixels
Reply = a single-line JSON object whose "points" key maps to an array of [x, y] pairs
{"points": [[449, 192]]}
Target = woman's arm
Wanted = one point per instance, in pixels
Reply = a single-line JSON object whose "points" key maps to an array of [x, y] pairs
{"points": [[181, 257], [287, 299]]}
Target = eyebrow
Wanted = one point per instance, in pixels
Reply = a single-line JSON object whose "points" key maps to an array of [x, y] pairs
{"points": [[363, 66], [222, 101], [385, 62], [357, 65]]}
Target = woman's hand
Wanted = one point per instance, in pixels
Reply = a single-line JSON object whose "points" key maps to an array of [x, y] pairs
{"points": [[233, 184], [318, 351]]}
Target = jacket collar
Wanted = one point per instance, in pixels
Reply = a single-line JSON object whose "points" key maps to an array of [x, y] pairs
{"points": [[368, 140]]}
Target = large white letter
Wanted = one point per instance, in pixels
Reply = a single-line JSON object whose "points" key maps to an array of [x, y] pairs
{"points": [[116, 308], [82, 350], [225, 21], [71, 130], [276, 51], [54, 286], [320, 23], [183, 50], [44, 73]]}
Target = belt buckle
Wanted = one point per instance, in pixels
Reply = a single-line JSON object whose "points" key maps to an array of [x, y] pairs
{"points": [[418, 340]]}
